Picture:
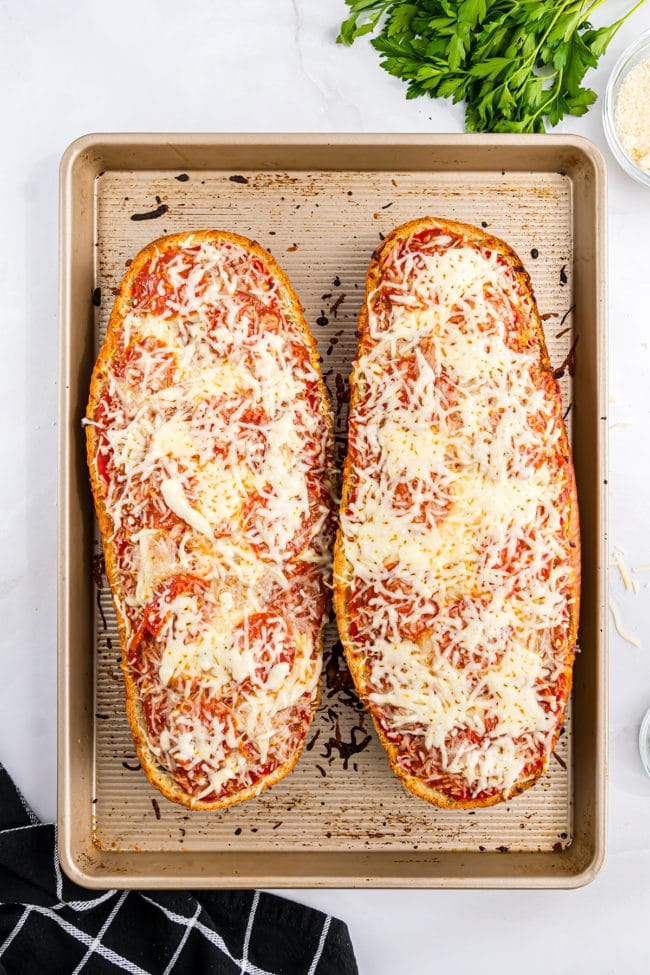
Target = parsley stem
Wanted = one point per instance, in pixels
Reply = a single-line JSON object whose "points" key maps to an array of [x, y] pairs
{"points": [[531, 60], [561, 10], [588, 11], [554, 92], [617, 23], [636, 6]]}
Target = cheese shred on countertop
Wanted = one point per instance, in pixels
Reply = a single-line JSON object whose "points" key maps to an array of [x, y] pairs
{"points": [[624, 635]]}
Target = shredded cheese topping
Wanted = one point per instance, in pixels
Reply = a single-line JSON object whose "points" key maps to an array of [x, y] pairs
{"points": [[213, 460], [455, 530]]}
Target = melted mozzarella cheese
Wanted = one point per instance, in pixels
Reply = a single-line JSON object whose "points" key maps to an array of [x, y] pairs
{"points": [[192, 649], [176, 500], [156, 557], [410, 449]]}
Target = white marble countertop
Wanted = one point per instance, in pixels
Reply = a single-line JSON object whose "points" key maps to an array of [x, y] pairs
{"points": [[71, 68]]}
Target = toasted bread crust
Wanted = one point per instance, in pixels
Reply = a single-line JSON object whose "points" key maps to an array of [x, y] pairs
{"points": [[294, 313], [343, 569]]}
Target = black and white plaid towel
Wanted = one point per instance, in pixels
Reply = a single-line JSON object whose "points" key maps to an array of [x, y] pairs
{"points": [[50, 925]]}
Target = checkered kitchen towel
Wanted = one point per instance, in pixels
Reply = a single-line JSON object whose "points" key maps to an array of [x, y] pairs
{"points": [[50, 925]]}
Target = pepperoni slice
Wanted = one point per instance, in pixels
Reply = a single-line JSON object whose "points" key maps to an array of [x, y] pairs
{"points": [[158, 618], [241, 320], [449, 641], [304, 599], [430, 511], [103, 411], [412, 616], [261, 317], [432, 240], [231, 423], [147, 361], [202, 706], [164, 279], [268, 637], [156, 714], [158, 612], [260, 520]]}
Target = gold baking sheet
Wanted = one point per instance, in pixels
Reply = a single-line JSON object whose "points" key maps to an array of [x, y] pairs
{"points": [[322, 225]]}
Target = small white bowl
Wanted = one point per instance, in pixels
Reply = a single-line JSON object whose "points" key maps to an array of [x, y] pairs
{"points": [[631, 56]]}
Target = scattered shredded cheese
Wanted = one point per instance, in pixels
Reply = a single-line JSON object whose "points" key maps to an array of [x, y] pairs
{"points": [[617, 560], [619, 626]]}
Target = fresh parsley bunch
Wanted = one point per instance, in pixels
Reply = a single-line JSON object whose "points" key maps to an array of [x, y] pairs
{"points": [[513, 63]]}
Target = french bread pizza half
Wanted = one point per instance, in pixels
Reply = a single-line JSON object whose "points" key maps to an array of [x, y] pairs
{"points": [[457, 561], [209, 441]]}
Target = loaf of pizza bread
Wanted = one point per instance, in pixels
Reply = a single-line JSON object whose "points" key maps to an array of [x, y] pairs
{"points": [[209, 442], [457, 561]]}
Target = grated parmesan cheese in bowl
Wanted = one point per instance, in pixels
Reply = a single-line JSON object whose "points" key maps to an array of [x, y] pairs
{"points": [[626, 110], [632, 114]]}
